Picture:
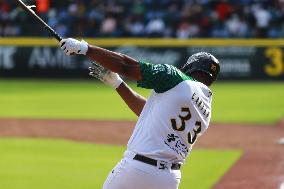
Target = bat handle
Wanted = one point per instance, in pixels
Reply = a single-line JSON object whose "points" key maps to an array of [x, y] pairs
{"points": [[58, 37], [53, 33]]}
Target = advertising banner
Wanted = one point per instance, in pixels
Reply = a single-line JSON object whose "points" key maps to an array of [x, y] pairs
{"points": [[237, 62]]}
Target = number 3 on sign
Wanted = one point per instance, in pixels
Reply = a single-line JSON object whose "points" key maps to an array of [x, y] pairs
{"points": [[276, 67]]}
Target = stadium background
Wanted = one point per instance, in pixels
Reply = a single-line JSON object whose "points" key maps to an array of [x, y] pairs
{"points": [[48, 99]]}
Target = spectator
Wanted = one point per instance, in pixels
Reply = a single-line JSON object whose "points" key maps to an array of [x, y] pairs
{"points": [[223, 9], [155, 27], [236, 27], [263, 18], [187, 30], [135, 27], [109, 26], [42, 6]]}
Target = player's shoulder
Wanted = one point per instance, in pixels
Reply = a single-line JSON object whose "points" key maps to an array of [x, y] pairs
{"points": [[195, 87], [201, 89]]}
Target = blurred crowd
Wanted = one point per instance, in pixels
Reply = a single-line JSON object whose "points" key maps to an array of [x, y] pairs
{"points": [[148, 18]]}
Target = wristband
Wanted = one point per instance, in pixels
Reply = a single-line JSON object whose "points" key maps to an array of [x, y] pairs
{"points": [[116, 82]]}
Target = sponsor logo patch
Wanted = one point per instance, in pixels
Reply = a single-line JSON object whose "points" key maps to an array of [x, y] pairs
{"points": [[213, 67]]}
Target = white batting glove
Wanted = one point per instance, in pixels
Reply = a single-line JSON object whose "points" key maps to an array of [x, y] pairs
{"points": [[71, 46], [106, 76]]}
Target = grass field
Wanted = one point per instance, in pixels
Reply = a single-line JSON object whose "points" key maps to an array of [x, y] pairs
{"points": [[260, 103], [54, 164]]}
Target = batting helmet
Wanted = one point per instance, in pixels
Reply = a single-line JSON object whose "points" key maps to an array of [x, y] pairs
{"points": [[204, 62]]}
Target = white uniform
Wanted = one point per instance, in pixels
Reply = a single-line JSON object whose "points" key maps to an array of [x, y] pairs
{"points": [[174, 116]]}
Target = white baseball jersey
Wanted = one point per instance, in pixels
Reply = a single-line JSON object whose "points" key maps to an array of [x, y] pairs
{"points": [[175, 115]]}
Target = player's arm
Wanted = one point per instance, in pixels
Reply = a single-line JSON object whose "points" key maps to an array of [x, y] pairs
{"points": [[158, 77], [133, 100], [116, 62]]}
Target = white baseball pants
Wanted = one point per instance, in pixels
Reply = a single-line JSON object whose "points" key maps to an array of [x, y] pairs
{"points": [[133, 174]]}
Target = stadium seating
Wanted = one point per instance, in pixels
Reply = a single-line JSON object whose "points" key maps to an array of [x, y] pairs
{"points": [[149, 18]]}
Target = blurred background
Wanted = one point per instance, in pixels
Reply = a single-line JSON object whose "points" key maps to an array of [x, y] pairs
{"points": [[245, 35], [148, 18]]}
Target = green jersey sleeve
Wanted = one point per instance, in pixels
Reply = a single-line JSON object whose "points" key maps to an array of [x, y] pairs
{"points": [[160, 77]]}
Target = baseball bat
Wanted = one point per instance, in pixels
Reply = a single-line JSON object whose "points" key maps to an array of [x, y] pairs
{"points": [[45, 25]]}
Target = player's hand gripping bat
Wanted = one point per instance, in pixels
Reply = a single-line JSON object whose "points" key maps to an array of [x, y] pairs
{"points": [[38, 19]]}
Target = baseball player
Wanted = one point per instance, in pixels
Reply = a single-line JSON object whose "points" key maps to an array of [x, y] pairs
{"points": [[177, 112]]}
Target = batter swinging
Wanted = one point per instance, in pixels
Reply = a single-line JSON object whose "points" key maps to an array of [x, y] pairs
{"points": [[170, 120]]}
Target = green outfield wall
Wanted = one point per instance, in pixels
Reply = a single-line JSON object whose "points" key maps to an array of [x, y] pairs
{"points": [[240, 59]]}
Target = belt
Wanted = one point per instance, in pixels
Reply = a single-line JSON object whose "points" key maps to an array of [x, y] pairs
{"points": [[150, 161]]}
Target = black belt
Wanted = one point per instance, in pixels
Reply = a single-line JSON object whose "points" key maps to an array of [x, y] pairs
{"points": [[150, 161]]}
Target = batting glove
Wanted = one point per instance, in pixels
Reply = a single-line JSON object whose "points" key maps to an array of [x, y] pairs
{"points": [[71, 46], [106, 76]]}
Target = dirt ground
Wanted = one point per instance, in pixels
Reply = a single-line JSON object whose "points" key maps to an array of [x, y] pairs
{"points": [[260, 167]]}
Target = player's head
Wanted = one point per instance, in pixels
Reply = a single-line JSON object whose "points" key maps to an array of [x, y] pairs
{"points": [[203, 67]]}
